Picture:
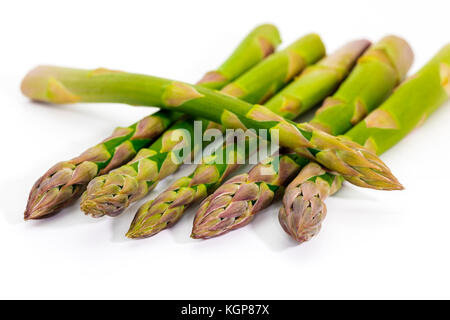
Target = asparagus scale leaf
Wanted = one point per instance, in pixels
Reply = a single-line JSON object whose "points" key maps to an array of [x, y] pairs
{"points": [[66, 181], [408, 107]]}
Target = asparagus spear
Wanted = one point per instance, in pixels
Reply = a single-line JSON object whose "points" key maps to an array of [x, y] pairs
{"points": [[281, 67], [258, 44], [354, 163], [65, 181], [378, 71], [310, 88], [238, 200], [112, 193], [411, 104]]}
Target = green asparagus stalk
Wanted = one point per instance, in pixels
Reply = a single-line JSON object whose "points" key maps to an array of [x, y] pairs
{"points": [[66, 181], [237, 202], [387, 63], [281, 67], [411, 104], [354, 163], [258, 44], [315, 83], [107, 195]]}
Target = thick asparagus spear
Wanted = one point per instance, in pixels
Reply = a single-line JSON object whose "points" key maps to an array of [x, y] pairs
{"points": [[354, 163], [235, 203], [412, 103], [378, 72], [65, 181], [258, 44], [107, 195], [310, 88]]}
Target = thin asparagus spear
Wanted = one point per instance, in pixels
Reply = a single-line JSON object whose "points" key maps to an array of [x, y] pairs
{"points": [[107, 194], [259, 44], [66, 181], [235, 203], [310, 88], [411, 104], [282, 67]]}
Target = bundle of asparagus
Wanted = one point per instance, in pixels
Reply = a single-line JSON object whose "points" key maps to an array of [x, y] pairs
{"points": [[126, 166]]}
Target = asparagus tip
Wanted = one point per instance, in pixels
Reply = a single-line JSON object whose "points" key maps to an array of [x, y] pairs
{"points": [[36, 213], [130, 235], [303, 212], [29, 215], [90, 208], [136, 234], [196, 236]]}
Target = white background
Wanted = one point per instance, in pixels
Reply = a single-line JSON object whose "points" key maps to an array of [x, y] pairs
{"points": [[373, 244]]}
